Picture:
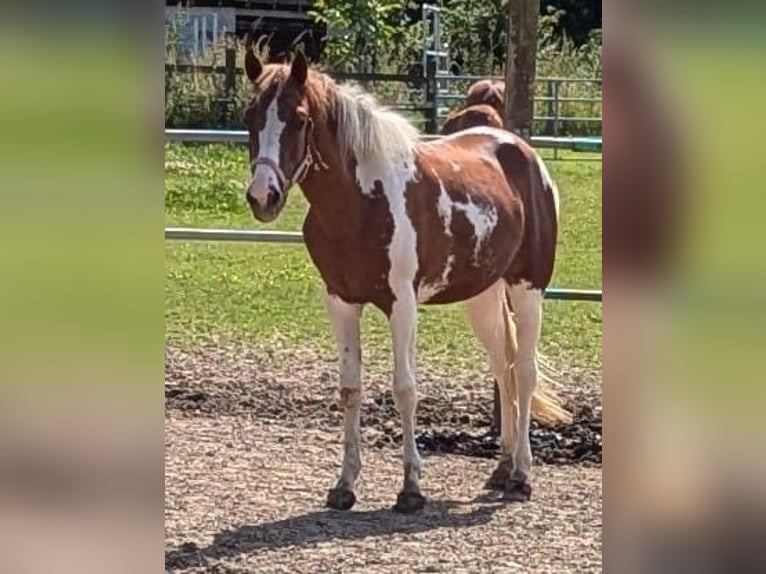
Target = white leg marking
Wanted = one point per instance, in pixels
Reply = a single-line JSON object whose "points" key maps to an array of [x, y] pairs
{"points": [[527, 306], [487, 313], [402, 253], [345, 319], [404, 334], [394, 171]]}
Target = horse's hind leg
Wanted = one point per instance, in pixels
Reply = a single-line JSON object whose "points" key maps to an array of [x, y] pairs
{"points": [[491, 321], [345, 319], [527, 305]]}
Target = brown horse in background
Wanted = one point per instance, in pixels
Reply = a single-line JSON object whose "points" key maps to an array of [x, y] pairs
{"points": [[490, 92], [484, 105], [471, 117]]}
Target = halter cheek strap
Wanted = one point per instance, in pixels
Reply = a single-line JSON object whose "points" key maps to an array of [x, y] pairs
{"points": [[301, 170]]}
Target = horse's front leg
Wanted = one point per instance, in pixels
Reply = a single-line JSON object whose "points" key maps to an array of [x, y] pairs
{"points": [[404, 334], [345, 319]]}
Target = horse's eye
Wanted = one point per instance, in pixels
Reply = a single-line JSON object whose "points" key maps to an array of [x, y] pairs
{"points": [[301, 114]]}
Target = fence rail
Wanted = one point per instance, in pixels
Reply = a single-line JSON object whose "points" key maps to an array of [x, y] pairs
{"points": [[248, 236], [241, 136]]}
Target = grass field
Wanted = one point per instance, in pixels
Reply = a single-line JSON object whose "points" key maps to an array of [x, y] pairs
{"points": [[267, 295]]}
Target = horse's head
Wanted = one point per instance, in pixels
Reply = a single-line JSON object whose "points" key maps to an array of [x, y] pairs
{"points": [[488, 92], [280, 130]]}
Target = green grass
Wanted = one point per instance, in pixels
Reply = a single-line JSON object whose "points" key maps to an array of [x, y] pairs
{"points": [[268, 294]]}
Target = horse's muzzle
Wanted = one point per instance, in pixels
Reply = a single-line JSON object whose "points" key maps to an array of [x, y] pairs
{"points": [[265, 204]]}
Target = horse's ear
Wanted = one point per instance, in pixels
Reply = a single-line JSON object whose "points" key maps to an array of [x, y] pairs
{"points": [[253, 65], [299, 69]]}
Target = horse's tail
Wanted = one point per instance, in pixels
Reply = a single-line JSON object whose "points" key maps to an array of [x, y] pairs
{"points": [[546, 405]]}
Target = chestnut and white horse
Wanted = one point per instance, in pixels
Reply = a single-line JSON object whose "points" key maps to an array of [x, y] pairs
{"points": [[395, 222]]}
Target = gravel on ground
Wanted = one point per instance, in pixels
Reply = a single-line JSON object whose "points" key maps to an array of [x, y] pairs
{"points": [[253, 442]]}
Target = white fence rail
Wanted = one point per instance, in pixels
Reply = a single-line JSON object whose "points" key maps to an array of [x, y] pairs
{"points": [[241, 136]]}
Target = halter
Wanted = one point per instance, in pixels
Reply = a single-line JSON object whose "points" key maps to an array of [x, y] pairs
{"points": [[310, 157]]}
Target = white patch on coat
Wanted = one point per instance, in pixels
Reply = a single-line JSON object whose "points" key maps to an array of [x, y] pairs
{"points": [[548, 182], [383, 144], [380, 140], [402, 251], [427, 290], [483, 218], [500, 135], [455, 166], [444, 207]]}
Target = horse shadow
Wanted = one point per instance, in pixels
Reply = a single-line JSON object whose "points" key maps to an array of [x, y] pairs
{"points": [[326, 525]]}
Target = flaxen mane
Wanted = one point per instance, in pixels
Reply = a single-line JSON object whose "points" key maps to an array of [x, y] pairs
{"points": [[367, 130]]}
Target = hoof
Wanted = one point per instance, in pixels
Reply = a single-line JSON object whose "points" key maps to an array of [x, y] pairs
{"points": [[517, 491], [340, 499], [499, 476], [408, 502]]}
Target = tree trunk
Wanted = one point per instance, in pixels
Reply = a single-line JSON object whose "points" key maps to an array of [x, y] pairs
{"points": [[520, 64]]}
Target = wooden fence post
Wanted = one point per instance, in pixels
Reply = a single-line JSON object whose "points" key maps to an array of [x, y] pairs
{"points": [[551, 112], [231, 71]]}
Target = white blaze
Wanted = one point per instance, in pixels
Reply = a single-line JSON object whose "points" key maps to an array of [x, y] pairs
{"points": [[269, 139]]}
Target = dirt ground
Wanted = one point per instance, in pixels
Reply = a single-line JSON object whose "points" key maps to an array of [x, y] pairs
{"points": [[253, 442]]}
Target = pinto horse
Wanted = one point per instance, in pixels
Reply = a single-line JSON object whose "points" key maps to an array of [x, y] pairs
{"points": [[395, 222]]}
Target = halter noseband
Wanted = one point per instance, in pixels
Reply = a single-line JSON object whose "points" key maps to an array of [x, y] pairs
{"points": [[310, 157]]}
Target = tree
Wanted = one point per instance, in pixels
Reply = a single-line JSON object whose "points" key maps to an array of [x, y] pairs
{"points": [[521, 64]]}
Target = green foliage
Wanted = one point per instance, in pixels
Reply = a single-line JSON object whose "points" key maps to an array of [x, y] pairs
{"points": [[201, 100], [363, 35], [559, 56], [474, 31]]}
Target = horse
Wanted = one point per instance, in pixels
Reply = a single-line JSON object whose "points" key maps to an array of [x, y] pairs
{"points": [[396, 222], [472, 116], [487, 91]]}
